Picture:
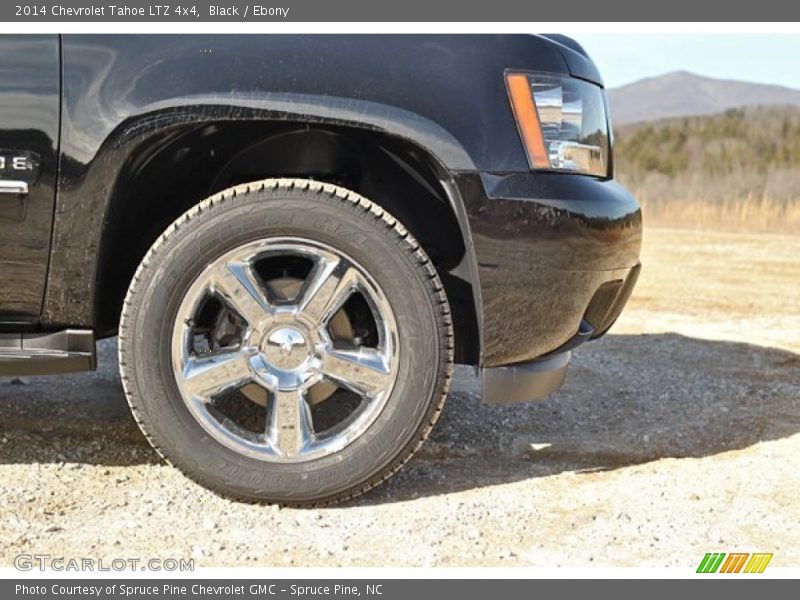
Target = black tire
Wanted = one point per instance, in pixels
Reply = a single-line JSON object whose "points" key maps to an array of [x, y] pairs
{"points": [[327, 214]]}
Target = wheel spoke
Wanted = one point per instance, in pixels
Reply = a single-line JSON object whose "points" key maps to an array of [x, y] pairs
{"points": [[330, 284], [241, 291], [290, 428], [290, 344], [363, 371], [206, 377]]}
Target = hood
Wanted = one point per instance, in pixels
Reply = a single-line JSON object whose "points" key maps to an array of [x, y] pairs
{"points": [[577, 59]]}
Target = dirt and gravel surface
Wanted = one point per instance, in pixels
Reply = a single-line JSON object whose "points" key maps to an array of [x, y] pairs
{"points": [[676, 435]]}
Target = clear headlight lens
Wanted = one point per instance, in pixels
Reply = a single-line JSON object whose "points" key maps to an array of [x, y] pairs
{"points": [[562, 122]]}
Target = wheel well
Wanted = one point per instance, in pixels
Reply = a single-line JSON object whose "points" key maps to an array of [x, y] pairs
{"points": [[176, 169]]}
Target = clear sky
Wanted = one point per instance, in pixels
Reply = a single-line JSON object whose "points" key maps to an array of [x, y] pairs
{"points": [[761, 58]]}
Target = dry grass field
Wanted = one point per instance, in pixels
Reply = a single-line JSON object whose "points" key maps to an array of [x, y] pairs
{"points": [[750, 214], [738, 170]]}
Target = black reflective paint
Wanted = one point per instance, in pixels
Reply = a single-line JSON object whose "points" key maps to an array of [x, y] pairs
{"points": [[545, 243], [29, 106], [445, 94], [538, 245]]}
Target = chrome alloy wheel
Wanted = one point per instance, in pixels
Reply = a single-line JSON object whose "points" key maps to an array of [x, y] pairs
{"points": [[285, 376]]}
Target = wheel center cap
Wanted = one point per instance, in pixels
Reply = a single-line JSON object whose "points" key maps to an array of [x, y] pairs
{"points": [[285, 348]]}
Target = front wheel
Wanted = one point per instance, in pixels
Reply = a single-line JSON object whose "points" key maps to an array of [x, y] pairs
{"points": [[286, 341]]}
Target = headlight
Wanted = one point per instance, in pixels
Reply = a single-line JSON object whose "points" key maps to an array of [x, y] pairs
{"points": [[562, 122]]}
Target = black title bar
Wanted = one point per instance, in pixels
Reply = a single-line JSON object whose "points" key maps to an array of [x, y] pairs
{"points": [[393, 11]]}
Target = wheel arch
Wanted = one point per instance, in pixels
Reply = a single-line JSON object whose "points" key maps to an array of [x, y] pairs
{"points": [[223, 151]]}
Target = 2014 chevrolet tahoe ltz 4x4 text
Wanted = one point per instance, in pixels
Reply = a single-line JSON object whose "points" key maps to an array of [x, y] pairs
{"points": [[296, 237]]}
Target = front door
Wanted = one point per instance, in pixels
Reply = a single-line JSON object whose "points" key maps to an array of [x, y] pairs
{"points": [[29, 126]]}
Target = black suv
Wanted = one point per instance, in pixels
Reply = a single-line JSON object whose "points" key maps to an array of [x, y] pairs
{"points": [[296, 237]]}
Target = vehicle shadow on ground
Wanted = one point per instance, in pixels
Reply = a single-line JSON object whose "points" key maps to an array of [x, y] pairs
{"points": [[628, 399]]}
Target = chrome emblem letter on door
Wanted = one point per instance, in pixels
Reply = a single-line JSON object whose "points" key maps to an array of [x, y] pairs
{"points": [[18, 171]]}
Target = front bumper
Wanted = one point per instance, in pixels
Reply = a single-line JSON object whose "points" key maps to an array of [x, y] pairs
{"points": [[557, 258], [532, 380]]}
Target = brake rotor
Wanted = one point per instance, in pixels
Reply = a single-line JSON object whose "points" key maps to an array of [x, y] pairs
{"points": [[287, 288]]}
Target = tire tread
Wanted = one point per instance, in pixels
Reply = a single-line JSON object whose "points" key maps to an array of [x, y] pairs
{"points": [[393, 227]]}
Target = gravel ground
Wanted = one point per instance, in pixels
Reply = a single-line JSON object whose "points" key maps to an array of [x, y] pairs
{"points": [[674, 436]]}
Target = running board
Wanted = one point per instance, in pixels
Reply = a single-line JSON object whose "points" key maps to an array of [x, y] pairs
{"points": [[30, 353]]}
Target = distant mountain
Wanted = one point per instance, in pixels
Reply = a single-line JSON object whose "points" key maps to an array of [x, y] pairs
{"points": [[682, 94]]}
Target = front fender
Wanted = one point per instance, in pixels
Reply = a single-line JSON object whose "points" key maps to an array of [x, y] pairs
{"points": [[87, 183]]}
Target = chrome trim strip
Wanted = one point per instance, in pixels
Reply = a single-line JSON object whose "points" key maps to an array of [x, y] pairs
{"points": [[8, 186]]}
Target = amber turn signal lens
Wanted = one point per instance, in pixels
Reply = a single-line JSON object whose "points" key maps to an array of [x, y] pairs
{"points": [[519, 92]]}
